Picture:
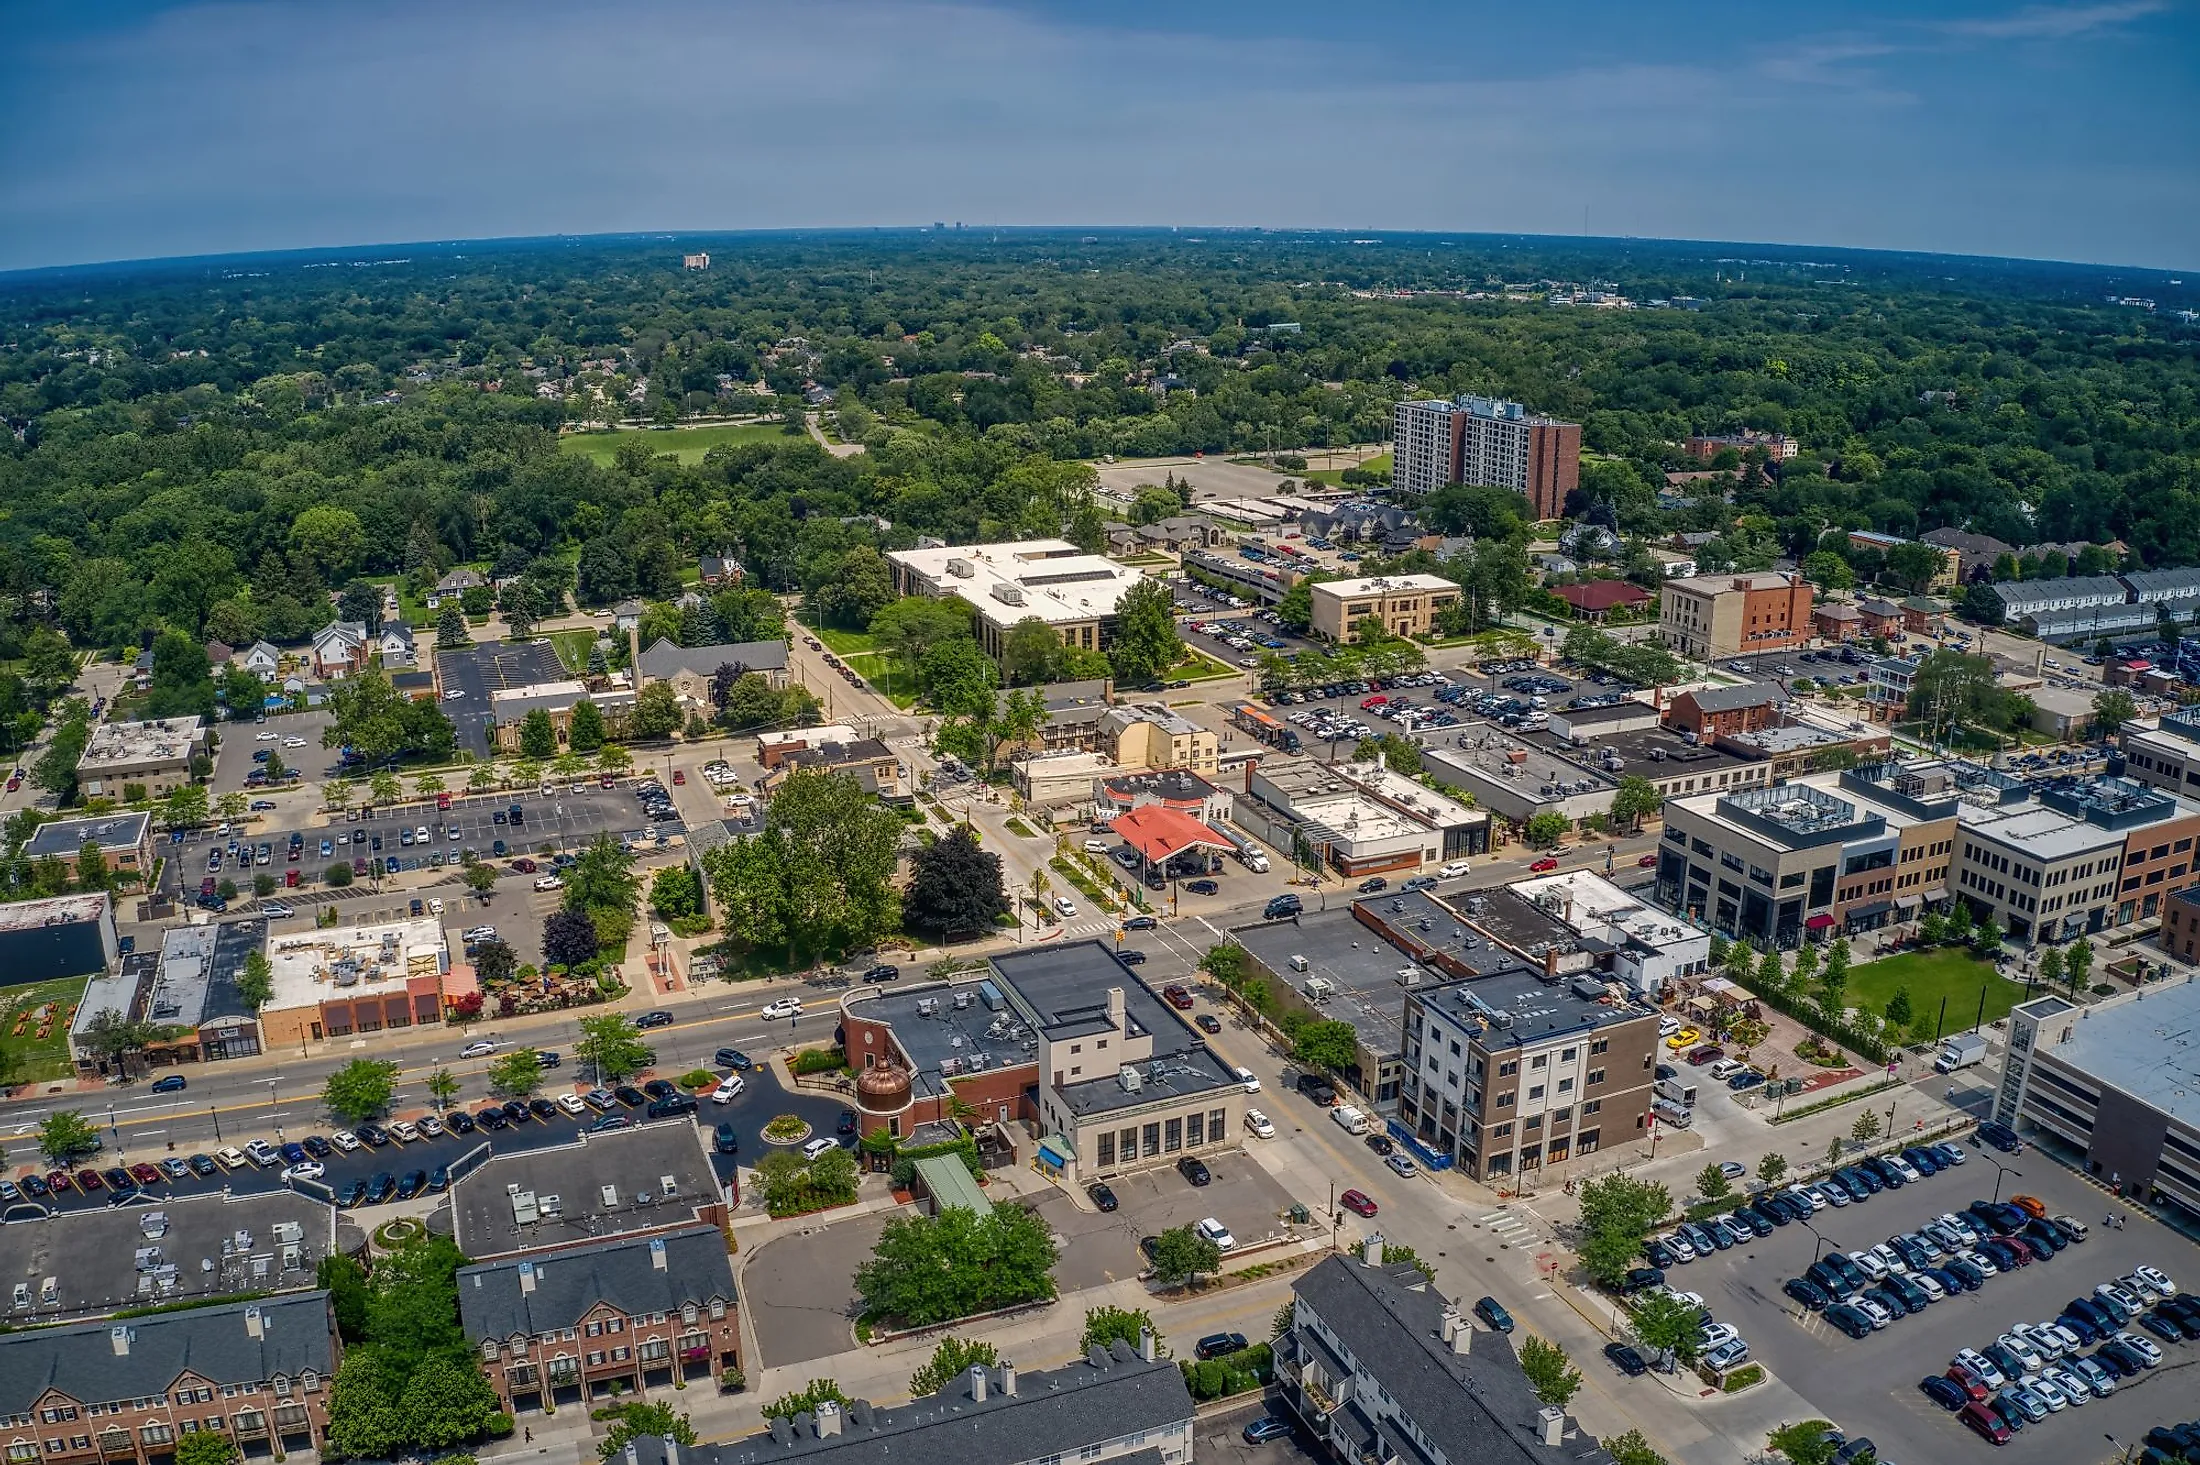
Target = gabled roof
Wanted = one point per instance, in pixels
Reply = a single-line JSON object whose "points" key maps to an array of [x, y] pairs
{"points": [[215, 1343], [1158, 832], [543, 1290], [664, 659], [1391, 1322], [397, 631], [264, 649], [351, 633], [1599, 595], [1733, 699]]}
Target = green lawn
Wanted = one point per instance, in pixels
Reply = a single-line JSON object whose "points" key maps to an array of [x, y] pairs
{"points": [[688, 444], [28, 1058], [1198, 666], [885, 675], [1334, 477], [572, 648], [1930, 976]]}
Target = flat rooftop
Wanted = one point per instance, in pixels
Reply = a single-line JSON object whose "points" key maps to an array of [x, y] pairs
{"points": [[2040, 833], [1050, 579], [1440, 810], [128, 744], [948, 1031], [1363, 971], [1384, 585], [1654, 752], [1521, 1008], [355, 961], [115, 991], [66, 838], [98, 1261], [2148, 1046], [59, 910], [1064, 989], [1516, 920], [647, 1178], [1544, 771]]}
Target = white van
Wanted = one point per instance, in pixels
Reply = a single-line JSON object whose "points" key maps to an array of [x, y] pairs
{"points": [[1668, 1112], [1349, 1119], [1245, 1077], [1726, 1068]]}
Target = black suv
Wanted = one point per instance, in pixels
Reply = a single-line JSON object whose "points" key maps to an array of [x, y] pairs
{"points": [[1194, 1169], [1317, 1088]]}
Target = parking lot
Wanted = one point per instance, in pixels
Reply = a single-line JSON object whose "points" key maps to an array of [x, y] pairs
{"points": [[1103, 1247], [1870, 1386], [234, 761], [473, 672], [1219, 1439]]}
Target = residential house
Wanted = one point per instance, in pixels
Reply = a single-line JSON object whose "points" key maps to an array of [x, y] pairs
{"points": [[1380, 1366], [1881, 617], [1180, 532], [399, 651], [1920, 612], [627, 615], [1974, 552], [263, 659], [339, 650], [1837, 621], [625, 1316], [455, 585], [219, 652], [106, 1392], [1154, 737], [720, 571]]}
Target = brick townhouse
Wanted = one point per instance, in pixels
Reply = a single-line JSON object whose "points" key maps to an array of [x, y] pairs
{"points": [[624, 1316], [128, 1391]]}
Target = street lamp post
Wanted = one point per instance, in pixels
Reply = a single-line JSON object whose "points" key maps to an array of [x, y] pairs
{"points": [[2000, 1171], [1819, 1241]]}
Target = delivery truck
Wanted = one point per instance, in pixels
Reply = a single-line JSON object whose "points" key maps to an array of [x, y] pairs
{"points": [[1960, 1051]]}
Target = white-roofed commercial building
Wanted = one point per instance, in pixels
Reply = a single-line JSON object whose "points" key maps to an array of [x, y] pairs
{"points": [[1050, 580]]}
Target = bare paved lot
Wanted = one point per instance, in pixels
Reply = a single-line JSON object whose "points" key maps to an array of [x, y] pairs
{"points": [[1099, 1248]]}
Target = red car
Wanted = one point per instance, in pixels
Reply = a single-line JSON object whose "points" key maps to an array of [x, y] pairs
{"points": [[1177, 997], [1983, 1423], [679, 775], [1648, 862], [88, 1180], [1544, 865], [57, 1181], [1705, 1053], [1971, 1384], [145, 1174], [1357, 1203]]}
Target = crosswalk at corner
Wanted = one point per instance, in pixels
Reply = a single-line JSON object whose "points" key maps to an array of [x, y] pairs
{"points": [[1513, 1229]]}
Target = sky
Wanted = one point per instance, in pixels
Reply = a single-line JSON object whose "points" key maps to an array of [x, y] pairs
{"points": [[136, 129]]}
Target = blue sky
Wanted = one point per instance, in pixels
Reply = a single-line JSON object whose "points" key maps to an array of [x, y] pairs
{"points": [[2056, 130]]}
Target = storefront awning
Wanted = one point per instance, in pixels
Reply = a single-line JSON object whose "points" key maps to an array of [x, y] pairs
{"points": [[1866, 912], [1904, 902], [1818, 923]]}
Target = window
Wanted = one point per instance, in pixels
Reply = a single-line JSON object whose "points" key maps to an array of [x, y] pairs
{"points": [[1153, 1140], [1535, 1093], [1599, 1046], [1592, 1107], [1127, 1145], [1195, 1129], [1106, 1149], [1172, 1135], [1596, 1076], [1505, 1100], [1539, 1060], [1568, 1055], [1216, 1125], [1510, 1065]]}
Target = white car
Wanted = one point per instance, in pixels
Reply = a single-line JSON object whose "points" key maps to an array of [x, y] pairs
{"points": [[818, 1147], [1096, 846], [294, 742], [2022, 1350], [1452, 871], [2156, 1279], [1680, 1246], [404, 1131], [1715, 1335], [2040, 1384], [478, 1048], [1980, 1260], [2074, 1388], [1933, 1290], [265, 737], [1668, 1025], [1902, 1167], [453, 694], [1872, 1266], [729, 1088], [781, 1007], [344, 1140], [571, 1104], [1246, 1079], [420, 835], [2141, 1346], [310, 1170], [1218, 1233], [432, 1127], [479, 933], [1983, 1366], [1064, 906], [1258, 1123], [1878, 1314], [549, 882], [262, 1154]]}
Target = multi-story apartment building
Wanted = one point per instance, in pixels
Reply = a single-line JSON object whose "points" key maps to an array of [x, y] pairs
{"points": [[2112, 1084], [2164, 752], [156, 754], [1828, 853], [1119, 1403], [1151, 736], [1711, 617], [1481, 440], [1384, 1370], [1520, 1068], [1407, 605], [1074, 594], [623, 1316], [114, 1391]]}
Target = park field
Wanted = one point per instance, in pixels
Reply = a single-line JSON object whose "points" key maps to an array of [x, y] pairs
{"points": [[1948, 972], [688, 444], [28, 1057]]}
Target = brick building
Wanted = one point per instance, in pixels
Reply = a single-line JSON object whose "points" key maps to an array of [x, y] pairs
{"points": [[627, 1316], [1711, 712], [109, 1392], [1711, 617]]}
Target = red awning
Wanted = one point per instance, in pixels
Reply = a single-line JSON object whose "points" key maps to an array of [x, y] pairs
{"points": [[1819, 923]]}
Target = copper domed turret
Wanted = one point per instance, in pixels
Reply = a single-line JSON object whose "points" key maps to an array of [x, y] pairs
{"points": [[884, 1089]]}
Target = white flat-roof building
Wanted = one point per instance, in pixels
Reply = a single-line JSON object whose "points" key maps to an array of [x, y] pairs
{"points": [[156, 754], [1407, 605], [1050, 580], [1649, 947]]}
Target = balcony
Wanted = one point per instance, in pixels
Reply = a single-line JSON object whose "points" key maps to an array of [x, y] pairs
{"points": [[251, 1423], [291, 1418], [1325, 1403], [116, 1442], [157, 1436]]}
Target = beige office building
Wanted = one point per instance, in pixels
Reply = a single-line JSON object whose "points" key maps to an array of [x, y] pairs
{"points": [[1711, 617], [1406, 604], [156, 754]]}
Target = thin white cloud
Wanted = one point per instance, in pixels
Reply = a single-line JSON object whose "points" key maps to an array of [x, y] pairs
{"points": [[2056, 22]]}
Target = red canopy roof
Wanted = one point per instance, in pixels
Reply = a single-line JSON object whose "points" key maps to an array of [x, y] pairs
{"points": [[1158, 831]]}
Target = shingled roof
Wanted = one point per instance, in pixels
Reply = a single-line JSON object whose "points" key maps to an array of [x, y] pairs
{"points": [[241, 1343]]}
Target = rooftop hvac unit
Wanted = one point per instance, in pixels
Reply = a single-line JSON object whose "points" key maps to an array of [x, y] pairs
{"points": [[1130, 1078], [1008, 592], [962, 999], [961, 568]]}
